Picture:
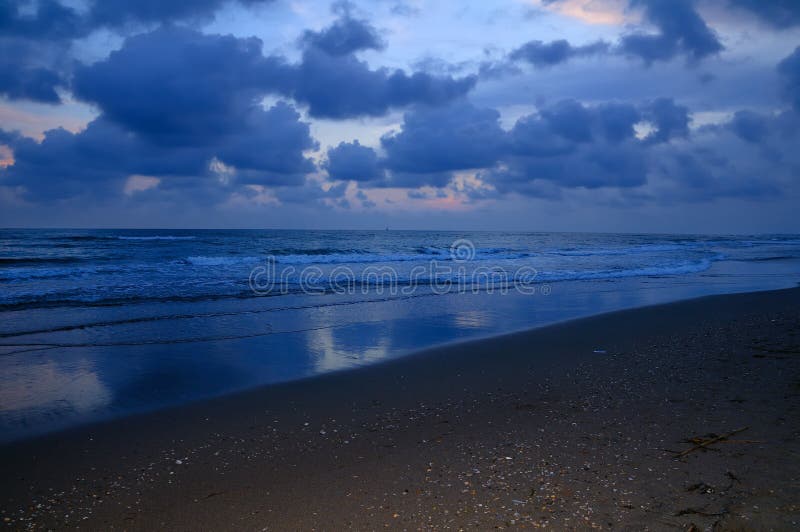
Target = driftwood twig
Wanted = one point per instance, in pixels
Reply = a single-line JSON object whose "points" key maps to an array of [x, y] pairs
{"points": [[706, 443]]}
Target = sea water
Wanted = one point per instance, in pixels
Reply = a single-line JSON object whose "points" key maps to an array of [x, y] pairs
{"points": [[96, 324]]}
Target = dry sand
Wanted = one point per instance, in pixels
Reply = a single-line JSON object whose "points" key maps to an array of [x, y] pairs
{"points": [[534, 429]]}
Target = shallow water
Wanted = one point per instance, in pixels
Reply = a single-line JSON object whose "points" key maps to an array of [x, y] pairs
{"points": [[98, 324]]}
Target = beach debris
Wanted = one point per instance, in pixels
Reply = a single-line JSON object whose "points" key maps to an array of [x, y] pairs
{"points": [[699, 511], [703, 443], [701, 487]]}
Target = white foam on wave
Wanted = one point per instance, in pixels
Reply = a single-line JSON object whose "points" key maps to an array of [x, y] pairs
{"points": [[682, 268], [426, 255], [403, 278], [646, 248]]}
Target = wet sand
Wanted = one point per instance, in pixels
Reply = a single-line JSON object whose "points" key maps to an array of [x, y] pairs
{"points": [[576, 425]]}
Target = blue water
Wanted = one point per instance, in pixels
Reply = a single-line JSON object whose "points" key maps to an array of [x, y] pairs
{"points": [[97, 324]]}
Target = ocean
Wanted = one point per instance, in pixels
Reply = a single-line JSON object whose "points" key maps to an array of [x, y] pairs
{"points": [[96, 324]]}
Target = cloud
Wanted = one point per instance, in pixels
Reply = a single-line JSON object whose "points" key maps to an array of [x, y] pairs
{"points": [[157, 79], [313, 193], [444, 139], [617, 120], [178, 86], [32, 49], [567, 144], [115, 13], [789, 70], [564, 145], [34, 44], [570, 145], [65, 164], [181, 113], [340, 87], [681, 30], [176, 82], [51, 21], [670, 120], [24, 76], [350, 161], [750, 126], [570, 120], [185, 108], [587, 166], [542, 54], [557, 128], [778, 13], [345, 36], [267, 148]]}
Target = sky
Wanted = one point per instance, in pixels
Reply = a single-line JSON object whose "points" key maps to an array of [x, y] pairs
{"points": [[535, 115]]}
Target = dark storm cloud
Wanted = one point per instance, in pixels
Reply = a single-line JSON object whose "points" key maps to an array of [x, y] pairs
{"points": [[617, 120], [66, 164], [571, 145], [122, 12], [752, 156], [567, 144], [50, 21], [350, 161], [442, 139], [179, 86], [30, 49], [541, 54], [533, 137], [570, 120], [176, 82], [24, 76], [269, 143], [556, 130], [586, 166], [789, 70], [171, 102], [157, 77], [343, 87], [718, 168], [32, 44], [681, 30], [266, 149], [778, 13], [345, 36], [670, 120], [750, 126], [186, 107]]}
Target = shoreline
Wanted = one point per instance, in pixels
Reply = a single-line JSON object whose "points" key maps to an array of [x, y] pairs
{"points": [[259, 449], [310, 379]]}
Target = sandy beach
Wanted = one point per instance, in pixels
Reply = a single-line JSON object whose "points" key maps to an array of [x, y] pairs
{"points": [[573, 426]]}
